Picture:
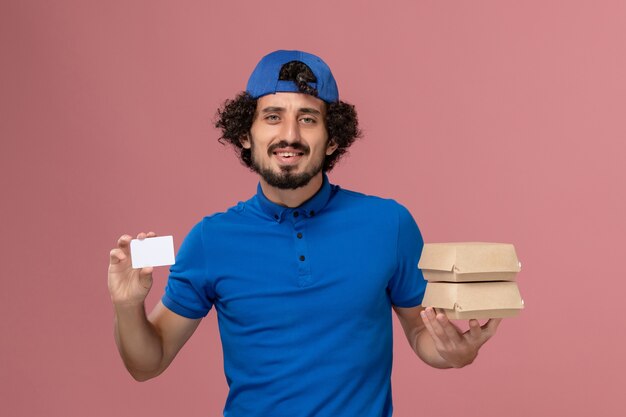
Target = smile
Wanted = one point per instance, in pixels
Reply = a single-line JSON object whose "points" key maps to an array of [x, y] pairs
{"points": [[288, 154], [288, 157]]}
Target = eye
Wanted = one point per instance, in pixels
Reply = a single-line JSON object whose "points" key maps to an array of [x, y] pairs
{"points": [[272, 118], [308, 120]]}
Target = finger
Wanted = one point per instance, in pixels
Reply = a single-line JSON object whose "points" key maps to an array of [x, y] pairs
{"points": [[491, 326], [429, 327], [141, 236], [151, 234], [116, 256], [124, 241], [475, 330], [436, 325], [453, 332]]}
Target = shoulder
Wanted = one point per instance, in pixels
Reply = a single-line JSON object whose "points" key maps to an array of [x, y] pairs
{"points": [[232, 226], [378, 212], [221, 218], [382, 205]]}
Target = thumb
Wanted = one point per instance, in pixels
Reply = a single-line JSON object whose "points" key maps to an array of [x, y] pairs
{"points": [[493, 324], [145, 277]]}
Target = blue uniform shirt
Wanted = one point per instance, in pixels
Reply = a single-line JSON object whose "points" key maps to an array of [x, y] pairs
{"points": [[303, 299]]}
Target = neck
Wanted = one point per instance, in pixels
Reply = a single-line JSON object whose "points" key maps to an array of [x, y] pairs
{"points": [[292, 198]]}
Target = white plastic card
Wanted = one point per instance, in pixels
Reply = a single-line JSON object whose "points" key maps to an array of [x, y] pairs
{"points": [[153, 251]]}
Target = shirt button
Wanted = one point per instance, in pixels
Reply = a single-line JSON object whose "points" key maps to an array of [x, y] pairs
{"points": [[302, 257], [296, 214], [299, 235], [312, 213], [276, 216]]}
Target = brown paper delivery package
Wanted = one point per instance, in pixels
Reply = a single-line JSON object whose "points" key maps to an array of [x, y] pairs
{"points": [[471, 280]]}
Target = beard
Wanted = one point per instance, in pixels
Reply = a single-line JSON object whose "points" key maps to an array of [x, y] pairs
{"points": [[286, 179]]}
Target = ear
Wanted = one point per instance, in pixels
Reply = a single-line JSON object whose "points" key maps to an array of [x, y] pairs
{"points": [[331, 147], [245, 141]]}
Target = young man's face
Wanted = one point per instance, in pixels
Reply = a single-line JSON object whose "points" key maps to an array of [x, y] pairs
{"points": [[288, 139]]}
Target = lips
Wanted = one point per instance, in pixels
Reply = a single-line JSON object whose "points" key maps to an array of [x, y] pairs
{"points": [[288, 156]]}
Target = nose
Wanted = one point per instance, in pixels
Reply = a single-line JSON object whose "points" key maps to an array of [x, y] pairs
{"points": [[290, 131]]}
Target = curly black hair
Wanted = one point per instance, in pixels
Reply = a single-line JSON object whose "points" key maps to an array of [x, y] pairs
{"points": [[236, 115]]}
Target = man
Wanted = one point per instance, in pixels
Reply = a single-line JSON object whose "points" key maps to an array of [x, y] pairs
{"points": [[303, 276]]}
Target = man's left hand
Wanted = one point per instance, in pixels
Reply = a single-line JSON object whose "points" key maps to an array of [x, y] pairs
{"points": [[457, 348]]}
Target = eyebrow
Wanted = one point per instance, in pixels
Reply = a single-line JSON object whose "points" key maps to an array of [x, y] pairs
{"points": [[307, 110]]}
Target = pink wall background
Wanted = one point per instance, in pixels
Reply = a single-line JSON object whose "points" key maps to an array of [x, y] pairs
{"points": [[490, 120]]}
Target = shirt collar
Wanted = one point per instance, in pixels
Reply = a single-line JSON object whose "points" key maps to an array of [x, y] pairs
{"points": [[309, 208]]}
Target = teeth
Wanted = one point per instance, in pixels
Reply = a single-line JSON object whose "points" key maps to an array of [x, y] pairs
{"points": [[287, 154]]}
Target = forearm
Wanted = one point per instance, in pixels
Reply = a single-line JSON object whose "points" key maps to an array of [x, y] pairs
{"points": [[138, 342]]}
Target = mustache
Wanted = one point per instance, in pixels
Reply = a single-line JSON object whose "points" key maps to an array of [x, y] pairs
{"points": [[284, 144]]}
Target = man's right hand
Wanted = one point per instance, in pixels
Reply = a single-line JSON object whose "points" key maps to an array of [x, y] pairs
{"points": [[147, 344], [128, 286]]}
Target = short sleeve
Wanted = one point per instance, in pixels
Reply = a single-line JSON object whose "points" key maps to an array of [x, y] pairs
{"points": [[407, 285], [188, 290]]}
